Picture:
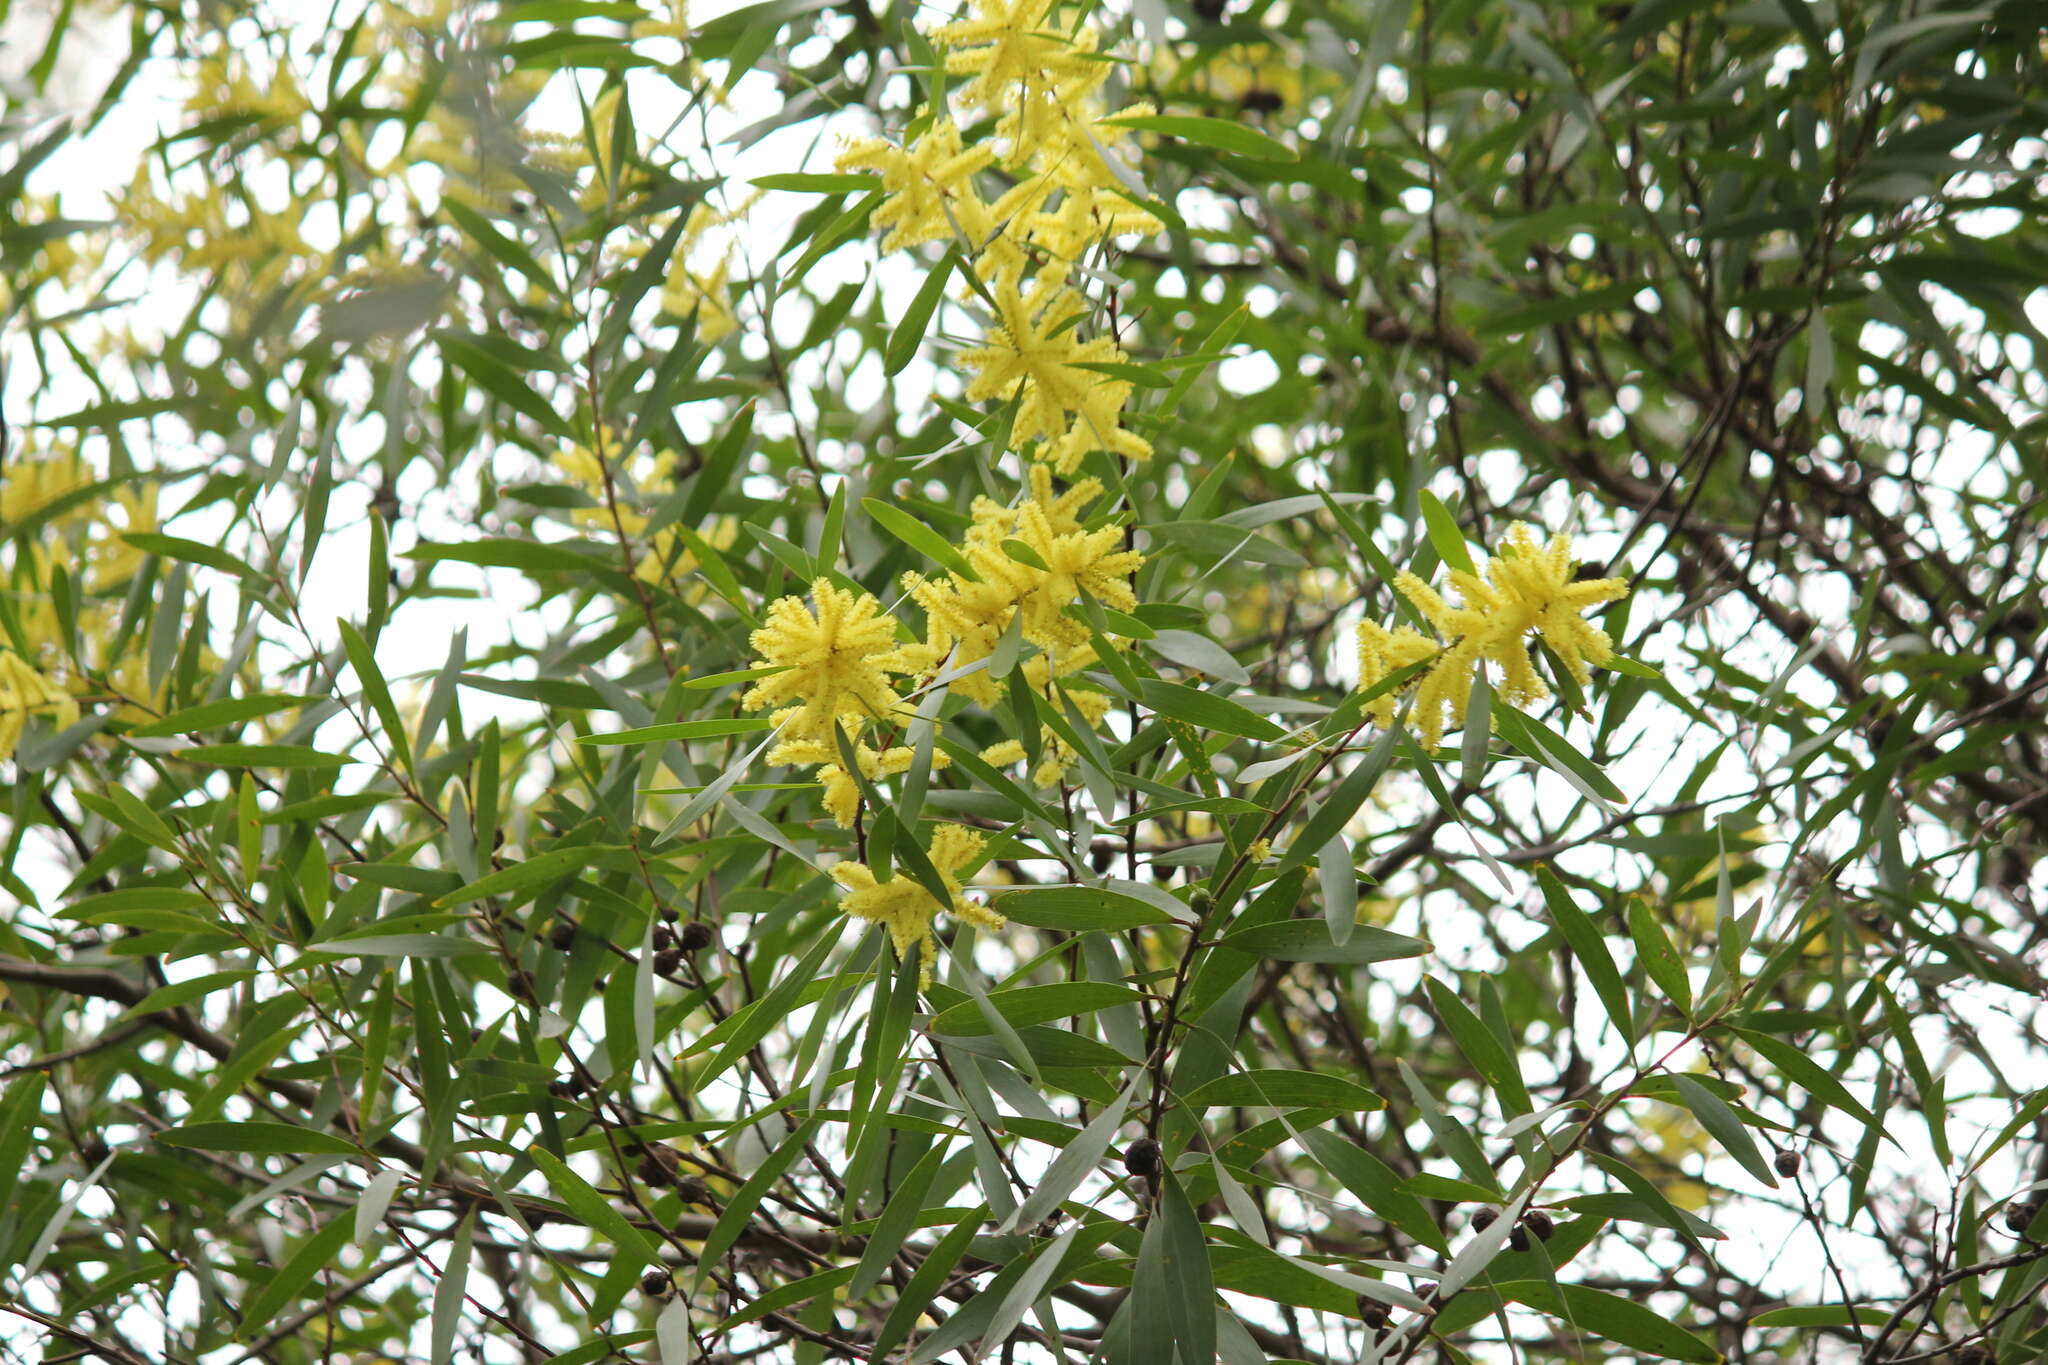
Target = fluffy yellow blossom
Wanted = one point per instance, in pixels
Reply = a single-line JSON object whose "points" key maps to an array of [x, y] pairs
{"points": [[967, 617], [701, 292], [1525, 588], [927, 180], [905, 907], [1019, 60], [28, 485], [842, 793], [1036, 356], [1259, 850], [25, 692], [836, 664]]}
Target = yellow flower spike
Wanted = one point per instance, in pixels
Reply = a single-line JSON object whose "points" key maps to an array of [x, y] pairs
{"points": [[836, 663], [1382, 652], [933, 173], [1033, 357], [906, 908], [1019, 60], [842, 793], [1525, 588], [24, 692]]}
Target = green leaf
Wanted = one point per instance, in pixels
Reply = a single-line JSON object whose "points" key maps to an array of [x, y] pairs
{"points": [[682, 729], [315, 1254], [1488, 1055], [528, 556], [1444, 534], [556, 863], [489, 372], [1283, 1089], [376, 691], [1078, 909], [1303, 940], [1589, 947], [1821, 1315], [1035, 1005], [918, 536], [593, 1210], [215, 714], [1720, 1119], [812, 183], [1075, 1163], [1659, 957], [259, 1137], [1191, 1285], [1374, 1184], [908, 333], [194, 552], [1206, 710], [1620, 1320], [261, 756], [1221, 134], [1814, 1077]]}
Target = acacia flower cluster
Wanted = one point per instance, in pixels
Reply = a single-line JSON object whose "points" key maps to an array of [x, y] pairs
{"points": [[1031, 563], [1526, 588], [905, 907], [44, 668], [838, 666], [1052, 141]]}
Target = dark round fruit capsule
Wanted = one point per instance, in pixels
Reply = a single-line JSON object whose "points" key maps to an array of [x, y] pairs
{"points": [[1519, 1240], [657, 1166], [1372, 1312], [563, 936], [695, 935], [1484, 1219], [664, 937], [1257, 101], [670, 914], [1538, 1222], [656, 1283], [2019, 1216], [562, 1089], [1211, 10], [693, 1189], [1142, 1158], [668, 961], [1786, 1163]]}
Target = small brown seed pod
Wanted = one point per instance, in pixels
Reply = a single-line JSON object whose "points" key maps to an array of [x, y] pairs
{"points": [[657, 1284], [695, 935], [658, 1165], [563, 935], [2019, 1216], [1141, 1158], [693, 1189], [1519, 1239], [1539, 1222], [1786, 1163], [1372, 1312], [670, 914], [668, 961], [664, 937], [1483, 1219]]}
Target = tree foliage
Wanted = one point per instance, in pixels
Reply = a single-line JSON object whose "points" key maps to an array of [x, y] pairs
{"points": [[1310, 681]]}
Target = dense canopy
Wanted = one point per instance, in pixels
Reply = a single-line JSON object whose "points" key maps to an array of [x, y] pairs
{"points": [[1307, 681]]}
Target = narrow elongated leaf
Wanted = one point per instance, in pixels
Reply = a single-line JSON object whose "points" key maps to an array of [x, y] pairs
{"points": [[1303, 940], [593, 1210], [1620, 1320], [1718, 1118]]}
